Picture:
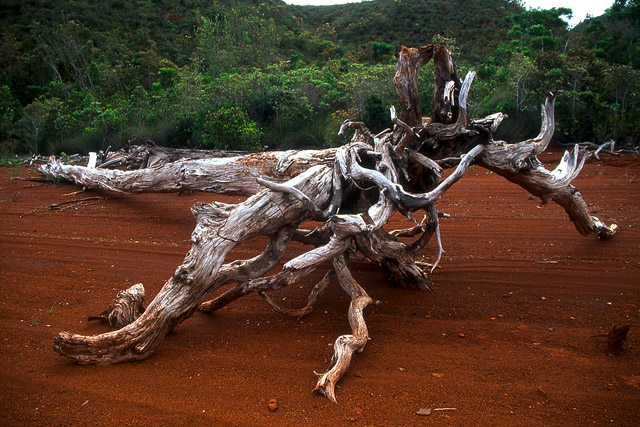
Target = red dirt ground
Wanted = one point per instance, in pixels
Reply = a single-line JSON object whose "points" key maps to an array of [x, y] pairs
{"points": [[508, 336]]}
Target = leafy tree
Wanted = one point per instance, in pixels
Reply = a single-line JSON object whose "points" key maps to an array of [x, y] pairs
{"points": [[521, 69], [8, 113], [230, 128], [362, 82], [534, 30], [614, 35], [82, 75], [381, 50], [377, 114], [37, 119]]}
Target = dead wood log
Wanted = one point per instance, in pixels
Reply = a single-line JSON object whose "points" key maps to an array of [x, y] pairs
{"points": [[230, 175], [217, 232], [351, 191], [519, 164], [126, 308], [148, 154]]}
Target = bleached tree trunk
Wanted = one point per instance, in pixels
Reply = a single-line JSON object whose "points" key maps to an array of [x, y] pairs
{"points": [[352, 191]]}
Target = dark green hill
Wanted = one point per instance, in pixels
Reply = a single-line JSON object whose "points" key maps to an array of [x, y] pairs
{"points": [[614, 36], [44, 38], [476, 25], [78, 74]]}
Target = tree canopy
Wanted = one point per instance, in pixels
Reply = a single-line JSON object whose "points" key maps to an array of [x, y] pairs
{"points": [[78, 75]]}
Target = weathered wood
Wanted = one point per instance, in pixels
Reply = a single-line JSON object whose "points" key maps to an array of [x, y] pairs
{"points": [[230, 175], [346, 345], [351, 192], [244, 270], [216, 233], [519, 164], [126, 308], [410, 61], [395, 259], [151, 155]]}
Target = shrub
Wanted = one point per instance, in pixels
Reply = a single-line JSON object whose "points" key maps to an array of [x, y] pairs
{"points": [[231, 128]]}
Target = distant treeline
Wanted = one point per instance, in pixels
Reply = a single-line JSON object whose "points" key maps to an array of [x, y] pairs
{"points": [[246, 74]]}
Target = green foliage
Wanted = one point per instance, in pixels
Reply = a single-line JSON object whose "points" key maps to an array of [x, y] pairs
{"points": [[77, 76], [230, 128], [377, 114], [534, 31], [37, 120], [8, 113], [9, 160], [381, 50], [614, 36], [521, 70], [475, 23]]}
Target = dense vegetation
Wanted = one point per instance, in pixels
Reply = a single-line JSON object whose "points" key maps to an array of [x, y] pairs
{"points": [[247, 74]]}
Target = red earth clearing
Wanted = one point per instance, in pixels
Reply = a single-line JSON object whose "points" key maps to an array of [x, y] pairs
{"points": [[509, 336]]}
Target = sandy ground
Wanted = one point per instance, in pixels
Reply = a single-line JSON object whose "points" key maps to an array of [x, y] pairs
{"points": [[508, 336]]}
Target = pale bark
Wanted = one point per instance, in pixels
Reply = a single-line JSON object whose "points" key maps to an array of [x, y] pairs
{"points": [[218, 230], [346, 345], [519, 164], [230, 175], [126, 308], [351, 191]]}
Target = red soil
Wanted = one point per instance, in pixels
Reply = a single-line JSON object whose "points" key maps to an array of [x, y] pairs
{"points": [[508, 336]]}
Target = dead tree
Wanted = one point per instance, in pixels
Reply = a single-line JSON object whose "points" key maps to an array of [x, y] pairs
{"points": [[352, 190]]}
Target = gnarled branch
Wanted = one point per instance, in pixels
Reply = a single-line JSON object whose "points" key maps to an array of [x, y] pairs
{"points": [[352, 190]]}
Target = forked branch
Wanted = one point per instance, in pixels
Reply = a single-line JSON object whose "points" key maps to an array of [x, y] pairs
{"points": [[353, 191]]}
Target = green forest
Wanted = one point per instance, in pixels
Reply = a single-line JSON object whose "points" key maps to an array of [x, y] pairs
{"points": [[79, 76]]}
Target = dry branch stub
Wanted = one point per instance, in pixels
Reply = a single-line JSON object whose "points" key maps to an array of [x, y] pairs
{"points": [[126, 308], [352, 191]]}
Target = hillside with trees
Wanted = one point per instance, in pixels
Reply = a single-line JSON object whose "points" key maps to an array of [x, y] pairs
{"points": [[246, 74]]}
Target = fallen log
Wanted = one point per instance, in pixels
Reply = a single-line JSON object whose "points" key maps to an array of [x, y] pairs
{"points": [[351, 191]]}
